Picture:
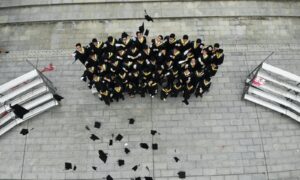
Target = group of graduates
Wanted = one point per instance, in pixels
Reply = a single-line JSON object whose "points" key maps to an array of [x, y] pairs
{"points": [[168, 67]]}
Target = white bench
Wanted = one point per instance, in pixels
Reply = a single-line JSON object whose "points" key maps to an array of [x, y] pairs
{"points": [[20, 90], [36, 111], [277, 91], [24, 98], [272, 106], [33, 91], [15, 82], [30, 105]]}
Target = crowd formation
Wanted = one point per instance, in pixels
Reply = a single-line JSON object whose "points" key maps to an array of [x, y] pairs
{"points": [[168, 67]]}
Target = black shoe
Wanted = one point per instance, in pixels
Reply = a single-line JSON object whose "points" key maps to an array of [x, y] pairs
{"points": [[185, 102]]}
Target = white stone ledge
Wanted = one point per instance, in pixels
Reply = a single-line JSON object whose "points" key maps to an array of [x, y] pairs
{"points": [[158, 10]]}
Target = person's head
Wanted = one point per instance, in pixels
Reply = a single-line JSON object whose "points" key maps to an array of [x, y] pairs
{"points": [[198, 41], [204, 51], [163, 51], [209, 48], [159, 38], [145, 47], [193, 61], [95, 41], [133, 48], [110, 39], [185, 38], [216, 46], [124, 36], [78, 46], [175, 50], [138, 34], [172, 37], [120, 50]]}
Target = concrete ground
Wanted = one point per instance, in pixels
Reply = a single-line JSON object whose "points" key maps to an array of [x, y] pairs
{"points": [[218, 137]]}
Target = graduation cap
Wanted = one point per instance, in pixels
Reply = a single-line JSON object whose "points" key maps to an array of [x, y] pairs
{"points": [[131, 121], [94, 137], [68, 165], [94, 167], [181, 174], [144, 145], [127, 150], [87, 127], [102, 156], [142, 28], [147, 168], [135, 167], [176, 159], [97, 124], [74, 168], [146, 32], [147, 17], [138, 178], [58, 97], [121, 162], [109, 177], [148, 178], [153, 132], [154, 146], [19, 111], [24, 132], [119, 137], [110, 142]]}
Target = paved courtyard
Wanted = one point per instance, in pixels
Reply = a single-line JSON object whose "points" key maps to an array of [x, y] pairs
{"points": [[218, 137]]}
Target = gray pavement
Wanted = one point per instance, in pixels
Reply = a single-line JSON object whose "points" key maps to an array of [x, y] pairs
{"points": [[219, 137]]}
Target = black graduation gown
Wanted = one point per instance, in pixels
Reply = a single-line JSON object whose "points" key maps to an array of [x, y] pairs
{"points": [[164, 93], [140, 43], [82, 57], [218, 59], [202, 88], [98, 49], [183, 46]]}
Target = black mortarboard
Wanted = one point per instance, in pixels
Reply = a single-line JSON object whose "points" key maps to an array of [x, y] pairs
{"points": [[94, 167], [124, 35], [142, 28], [138, 178], [131, 121], [121, 162], [181, 174], [94, 137], [24, 132], [87, 127], [144, 145], [58, 97], [19, 111], [119, 137], [135, 167], [148, 178], [110, 142], [103, 156], [74, 168], [109, 177], [97, 124], [176, 159], [147, 17], [68, 165], [154, 146], [127, 150], [147, 168], [146, 32], [153, 132]]}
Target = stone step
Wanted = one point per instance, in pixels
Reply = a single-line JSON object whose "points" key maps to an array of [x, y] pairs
{"points": [[158, 10], [241, 32]]}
